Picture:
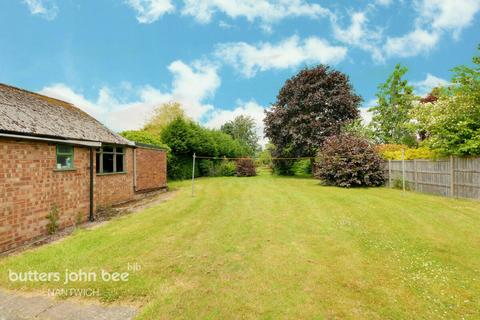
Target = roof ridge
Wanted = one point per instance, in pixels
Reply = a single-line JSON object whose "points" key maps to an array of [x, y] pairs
{"points": [[37, 94]]}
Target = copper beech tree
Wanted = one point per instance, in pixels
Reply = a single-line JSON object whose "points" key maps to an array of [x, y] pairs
{"points": [[311, 106]]}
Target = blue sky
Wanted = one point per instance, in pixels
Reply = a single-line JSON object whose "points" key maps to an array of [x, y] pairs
{"points": [[119, 59]]}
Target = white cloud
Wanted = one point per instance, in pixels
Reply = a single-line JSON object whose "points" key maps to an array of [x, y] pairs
{"points": [[358, 35], [366, 115], [251, 108], [416, 42], [191, 86], [149, 11], [290, 53], [424, 87], [47, 9], [266, 11], [447, 15]]}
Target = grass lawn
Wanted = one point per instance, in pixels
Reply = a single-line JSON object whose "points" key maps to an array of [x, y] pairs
{"points": [[275, 248]]}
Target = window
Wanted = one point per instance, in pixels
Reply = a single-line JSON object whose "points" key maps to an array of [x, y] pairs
{"points": [[64, 157], [110, 159]]}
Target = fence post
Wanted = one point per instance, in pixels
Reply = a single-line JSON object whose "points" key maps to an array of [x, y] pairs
{"points": [[389, 173], [452, 176], [416, 173], [193, 175], [403, 169]]}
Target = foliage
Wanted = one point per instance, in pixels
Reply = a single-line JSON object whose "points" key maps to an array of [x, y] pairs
{"points": [[394, 152], [242, 128], [179, 167], [391, 118], [265, 156], [283, 167], [53, 218], [142, 136], [245, 168], [310, 106], [185, 138], [357, 128], [227, 168], [217, 168], [302, 167], [452, 123], [348, 161], [163, 116]]}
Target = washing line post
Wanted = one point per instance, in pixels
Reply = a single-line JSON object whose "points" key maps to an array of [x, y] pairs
{"points": [[193, 175], [403, 169]]}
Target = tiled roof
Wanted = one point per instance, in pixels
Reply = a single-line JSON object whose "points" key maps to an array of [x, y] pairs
{"points": [[27, 113]]}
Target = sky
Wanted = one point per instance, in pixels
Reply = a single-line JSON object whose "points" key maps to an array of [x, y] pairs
{"points": [[119, 59]]}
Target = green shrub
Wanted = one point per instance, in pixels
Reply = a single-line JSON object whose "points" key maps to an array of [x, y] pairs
{"points": [[283, 167], [53, 217], [302, 167], [216, 168], [347, 161], [397, 183], [206, 168], [245, 168], [227, 168]]}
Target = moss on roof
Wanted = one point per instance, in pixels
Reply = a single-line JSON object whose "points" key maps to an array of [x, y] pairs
{"points": [[28, 113]]}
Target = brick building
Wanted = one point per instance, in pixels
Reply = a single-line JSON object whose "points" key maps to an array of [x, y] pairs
{"points": [[53, 155]]}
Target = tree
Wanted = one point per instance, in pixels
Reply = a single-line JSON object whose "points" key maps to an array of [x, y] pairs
{"points": [[242, 128], [164, 115], [311, 106], [391, 121], [184, 138], [452, 123], [142, 136]]}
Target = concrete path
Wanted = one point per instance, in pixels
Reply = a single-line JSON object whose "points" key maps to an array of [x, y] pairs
{"points": [[20, 307]]}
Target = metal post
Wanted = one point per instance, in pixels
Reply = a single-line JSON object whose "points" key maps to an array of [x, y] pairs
{"points": [[452, 176], [389, 173], [193, 176], [403, 169]]}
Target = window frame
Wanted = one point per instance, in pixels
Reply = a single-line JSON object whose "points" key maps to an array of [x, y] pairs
{"points": [[100, 152], [58, 153]]}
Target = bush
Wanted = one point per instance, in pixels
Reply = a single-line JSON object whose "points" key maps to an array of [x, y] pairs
{"points": [[185, 138], [227, 168], [245, 168], [302, 167], [216, 168], [283, 167], [206, 168], [394, 152], [348, 161], [53, 218]]}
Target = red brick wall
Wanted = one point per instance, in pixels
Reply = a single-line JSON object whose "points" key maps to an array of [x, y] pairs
{"points": [[29, 188], [151, 169], [115, 188]]}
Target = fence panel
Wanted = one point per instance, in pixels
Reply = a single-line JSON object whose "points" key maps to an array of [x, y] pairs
{"points": [[435, 176]]}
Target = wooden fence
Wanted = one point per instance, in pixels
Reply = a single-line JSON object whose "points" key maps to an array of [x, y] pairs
{"points": [[453, 177]]}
